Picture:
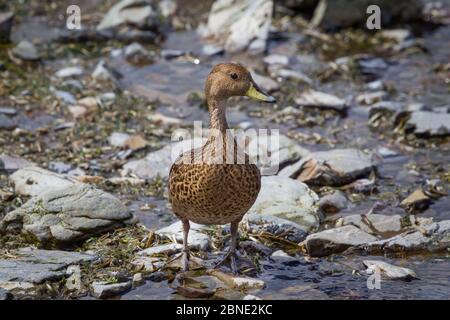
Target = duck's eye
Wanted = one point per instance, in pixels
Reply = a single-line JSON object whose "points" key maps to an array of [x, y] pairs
{"points": [[234, 76]]}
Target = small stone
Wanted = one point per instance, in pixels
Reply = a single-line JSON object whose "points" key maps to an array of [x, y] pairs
{"points": [[73, 282], [8, 111], [241, 283], [118, 139], [210, 50], [280, 253], [425, 123], [69, 72], [266, 83], [59, 167], [138, 279], [26, 50], [333, 203], [6, 123], [13, 163], [197, 239], [294, 75], [65, 96], [251, 297], [172, 53], [102, 290]]}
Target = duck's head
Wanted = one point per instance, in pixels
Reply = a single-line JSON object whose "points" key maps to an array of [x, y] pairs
{"points": [[231, 79]]}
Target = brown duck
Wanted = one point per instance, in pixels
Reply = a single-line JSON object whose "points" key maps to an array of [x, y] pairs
{"points": [[217, 184]]}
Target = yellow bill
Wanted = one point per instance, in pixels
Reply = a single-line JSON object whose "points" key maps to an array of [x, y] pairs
{"points": [[256, 93]]}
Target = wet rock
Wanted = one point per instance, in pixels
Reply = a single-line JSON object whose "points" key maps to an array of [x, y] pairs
{"points": [[333, 203], [316, 99], [137, 54], [253, 248], [133, 12], [192, 286], [69, 72], [277, 226], [6, 22], [66, 214], [25, 50], [66, 258], [388, 270], [335, 240], [280, 253], [416, 201], [197, 239], [149, 264], [433, 237], [242, 283], [425, 123], [162, 249], [7, 123], [287, 199], [12, 163], [240, 25], [386, 152], [331, 168], [102, 290]]}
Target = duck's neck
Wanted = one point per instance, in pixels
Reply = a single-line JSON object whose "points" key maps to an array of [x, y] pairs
{"points": [[217, 116]]}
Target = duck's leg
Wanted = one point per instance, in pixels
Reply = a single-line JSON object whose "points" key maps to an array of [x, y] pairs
{"points": [[185, 258], [231, 254]]}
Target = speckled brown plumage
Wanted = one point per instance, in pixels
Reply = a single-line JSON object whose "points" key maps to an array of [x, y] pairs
{"points": [[203, 189]]}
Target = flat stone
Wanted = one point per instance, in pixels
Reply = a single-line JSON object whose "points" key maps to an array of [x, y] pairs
{"points": [[8, 111], [162, 249], [196, 239], [13, 163], [53, 256], [331, 168], [312, 98], [35, 273], [239, 26], [65, 96], [102, 290], [288, 199], [425, 123], [6, 123], [389, 270], [335, 240]]}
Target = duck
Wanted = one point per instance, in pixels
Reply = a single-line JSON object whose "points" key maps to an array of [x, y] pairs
{"points": [[217, 184]]}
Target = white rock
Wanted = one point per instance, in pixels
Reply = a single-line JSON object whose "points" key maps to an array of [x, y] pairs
{"points": [[294, 75], [276, 59], [69, 72], [127, 11], [389, 270], [103, 290], [118, 139], [251, 297], [312, 98], [197, 239]]}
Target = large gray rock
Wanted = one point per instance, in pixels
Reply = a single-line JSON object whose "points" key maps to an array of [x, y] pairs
{"points": [[434, 237], [335, 240], [288, 199], [240, 25], [30, 267], [426, 123], [66, 215], [331, 168]]}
